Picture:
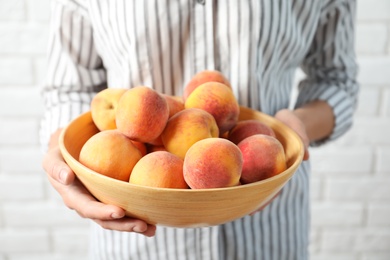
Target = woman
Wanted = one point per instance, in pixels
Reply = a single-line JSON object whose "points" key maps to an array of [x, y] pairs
{"points": [[257, 45]]}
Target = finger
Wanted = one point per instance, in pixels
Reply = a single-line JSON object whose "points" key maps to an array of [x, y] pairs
{"points": [[78, 198], [128, 225], [306, 154], [55, 166]]}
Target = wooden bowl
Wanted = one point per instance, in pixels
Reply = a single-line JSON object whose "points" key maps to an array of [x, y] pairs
{"points": [[181, 207]]}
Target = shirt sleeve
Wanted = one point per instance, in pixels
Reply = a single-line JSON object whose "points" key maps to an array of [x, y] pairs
{"points": [[75, 71], [331, 67]]}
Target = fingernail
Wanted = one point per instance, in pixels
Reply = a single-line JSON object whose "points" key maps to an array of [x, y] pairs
{"points": [[138, 229], [63, 176], [116, 215]]}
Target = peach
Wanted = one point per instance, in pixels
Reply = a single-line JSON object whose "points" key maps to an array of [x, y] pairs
{"points": [[142, 114], [175, 104], [103, 107], [186, 128], [213, 163], [203, 77], [246, 128], [110, 153], [157, 141], [159, 169], [219, 101], [141, 147], [263, 156]]}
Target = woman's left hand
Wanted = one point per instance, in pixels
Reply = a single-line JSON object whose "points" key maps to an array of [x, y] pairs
{"points": [[290, 119]]}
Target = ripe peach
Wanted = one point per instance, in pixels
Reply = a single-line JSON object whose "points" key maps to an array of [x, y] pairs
{"points": [[219, 101], [156, 141], [213, 163], [103, 107], [175, 104], [264, 157], [159, 169], [142, 114], [110, 153], [203, 77], [141, 147], [246, 128], [186, 128]]}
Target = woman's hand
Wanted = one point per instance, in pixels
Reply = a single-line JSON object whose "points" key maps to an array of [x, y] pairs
{"points": [[290, 119], [77, 197]]}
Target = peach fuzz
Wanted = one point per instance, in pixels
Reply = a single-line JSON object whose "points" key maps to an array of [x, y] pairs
{"points": [[103, 107], [203, 77], [110, 153], [186, 128], [142, 114], [219, 101], [159, 169], [246, 128], [213, 163], [175, 104], [264, 157]]}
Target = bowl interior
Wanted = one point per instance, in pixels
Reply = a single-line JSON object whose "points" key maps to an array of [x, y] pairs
{"points": [[181, 207]]}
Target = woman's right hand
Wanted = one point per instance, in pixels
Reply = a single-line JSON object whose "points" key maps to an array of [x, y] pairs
{"points": [[78, 198]]}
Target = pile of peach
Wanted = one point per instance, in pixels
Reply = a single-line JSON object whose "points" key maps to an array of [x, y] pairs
{"points": [[194, 141]]}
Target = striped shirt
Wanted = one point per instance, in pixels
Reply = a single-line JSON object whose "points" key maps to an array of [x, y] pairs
{"points": [[256, 44]]}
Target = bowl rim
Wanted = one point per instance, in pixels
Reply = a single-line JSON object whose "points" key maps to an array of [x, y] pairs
{"points": [[67, 156]]}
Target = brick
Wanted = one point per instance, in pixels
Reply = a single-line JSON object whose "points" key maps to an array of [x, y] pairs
{"points": [[376, 256], [41, 214], [345, 160], [39, 10], [20, 38], [14, 10], [371, 38], [22, 101], [340, 240], [40, 69], [23, 161], [70, 241], [373, 240], [314, 242], [1, 217], [11, 70], [363, 189], [18, 132], [368, 104], [386, 101], [29, 240], [383, 162], [316, 188], [327, 214], [374, 70], [379, 215], [356, 240], [366, 132], [373, 10], [21, 187], [333, 256]]}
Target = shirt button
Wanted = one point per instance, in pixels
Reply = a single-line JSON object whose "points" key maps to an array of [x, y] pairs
{"points": [[201, 1]]}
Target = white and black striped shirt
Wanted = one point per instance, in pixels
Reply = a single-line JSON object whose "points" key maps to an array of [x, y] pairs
{"points": [[257, 44]]}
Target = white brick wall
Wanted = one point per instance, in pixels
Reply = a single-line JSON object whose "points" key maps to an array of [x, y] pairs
{"points": [[350, 187]]}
